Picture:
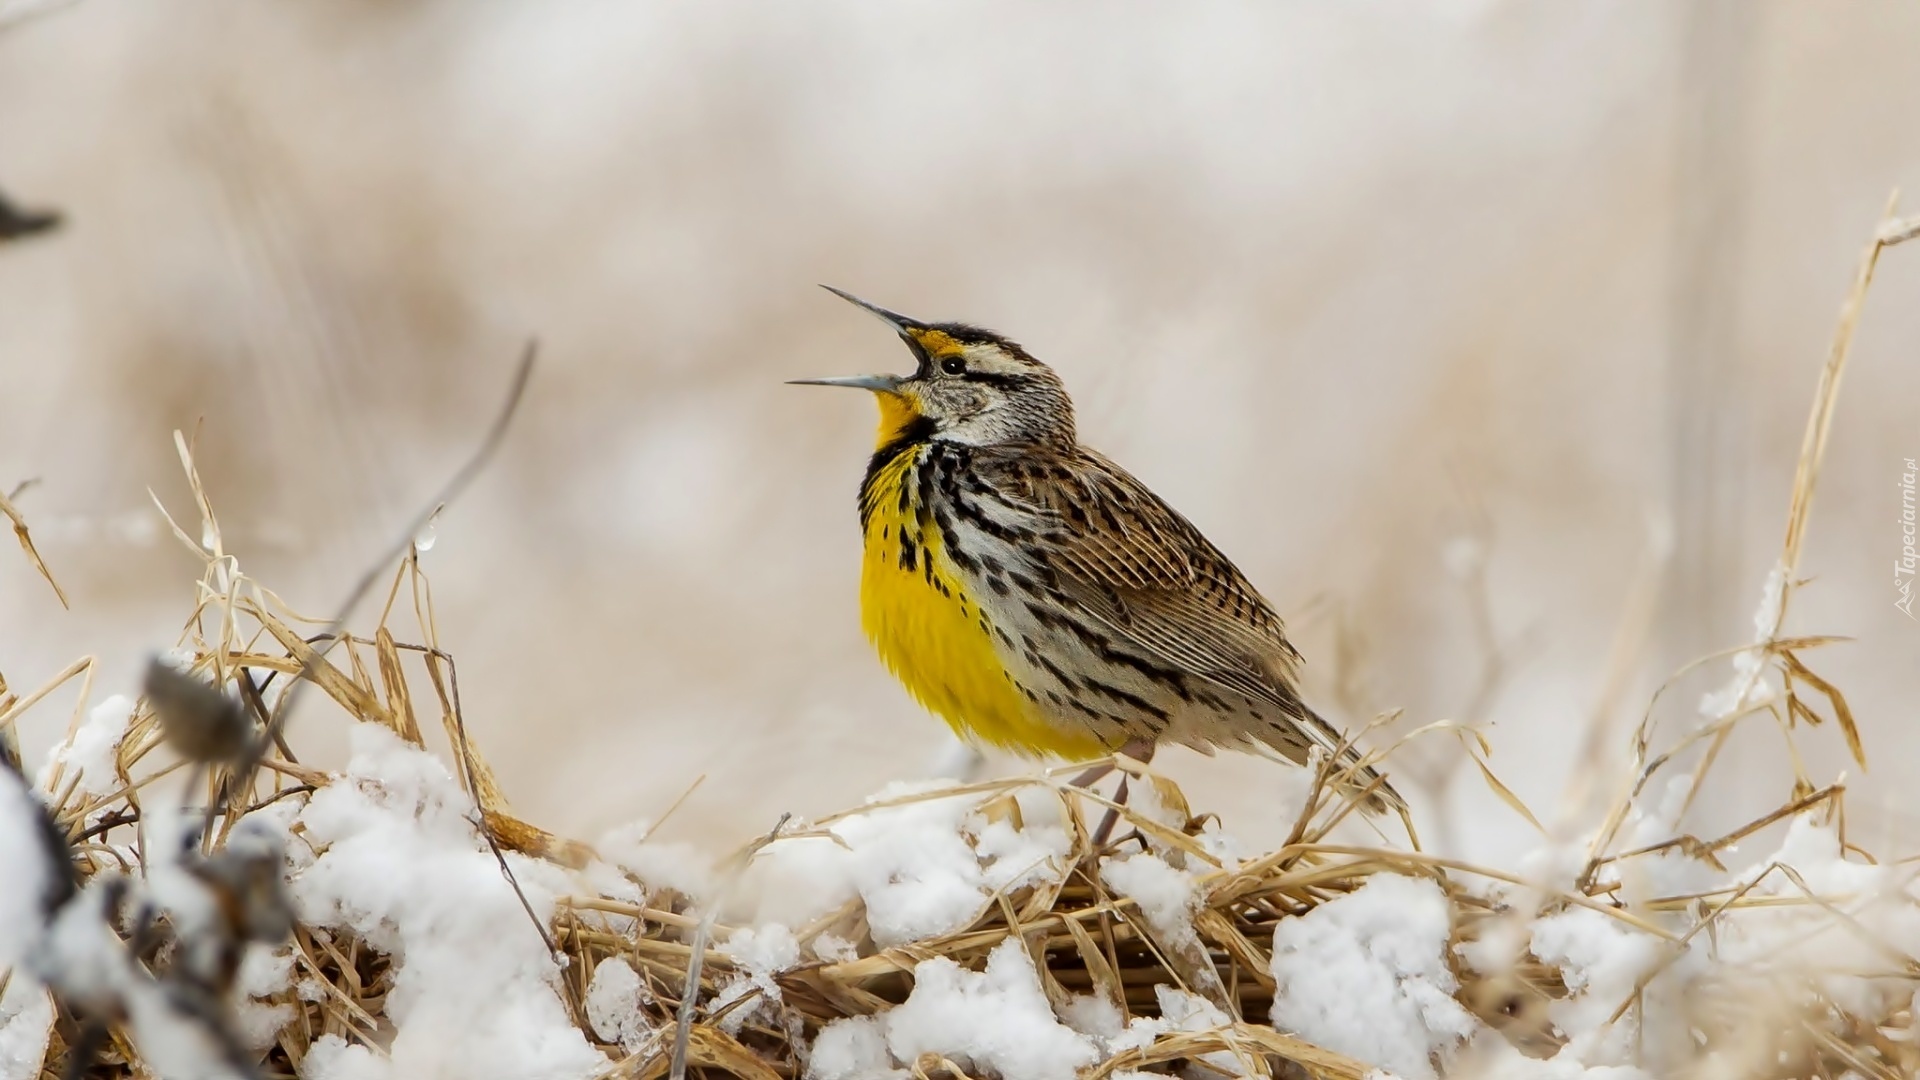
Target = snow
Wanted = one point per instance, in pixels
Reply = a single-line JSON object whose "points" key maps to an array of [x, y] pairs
{"points": [[170, 1043], [761, 954], [92, 752], [681, 867], [1168, 899], [1217, 842], [1845, 957], [79, 953], [995, 1020], [1667, 873], [1746, 686], [1601, 960], [1493, 1058], [195, 913], [264, 971], [614, 1000], [1095, 1015], [923, 867], [23, 856], [397, 860], [1180, 1012], [1366, 975], [854, 1048], [82, 958], [334, 1058], [1753, 955], [833, 948], [1166, 895], [26, 1023]]}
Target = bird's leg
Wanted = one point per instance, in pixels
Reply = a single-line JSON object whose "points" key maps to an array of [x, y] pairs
{"points": [[1108, 819], [1140, 750]]}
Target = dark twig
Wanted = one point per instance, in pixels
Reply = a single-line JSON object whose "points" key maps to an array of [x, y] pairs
{"points": [[480, 811]]}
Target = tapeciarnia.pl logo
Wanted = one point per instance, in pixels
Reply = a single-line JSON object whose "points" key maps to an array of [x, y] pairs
{"points": [[1903, 566]]}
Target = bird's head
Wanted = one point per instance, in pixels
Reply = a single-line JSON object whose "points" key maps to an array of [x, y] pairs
{"points": [[968, 386]]}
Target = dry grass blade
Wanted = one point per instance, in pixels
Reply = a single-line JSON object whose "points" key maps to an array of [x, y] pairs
{"points": [[25, 538], [1841, 713], [1813, 445], [1237, 1038], [706, 1047], [1899, 232], [1477, 749], [13, 712]]}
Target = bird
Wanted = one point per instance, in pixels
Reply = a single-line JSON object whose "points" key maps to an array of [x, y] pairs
{"points": [[1039, 598]]}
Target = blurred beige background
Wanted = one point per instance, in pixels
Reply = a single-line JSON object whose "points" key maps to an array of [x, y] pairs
{"points": [[1378, 295]]}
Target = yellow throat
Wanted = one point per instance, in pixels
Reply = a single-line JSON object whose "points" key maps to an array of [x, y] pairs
{"points": [[929, 630]]}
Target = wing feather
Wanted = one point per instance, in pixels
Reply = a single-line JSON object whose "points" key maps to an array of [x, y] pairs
{"points": [[1131, 561]]}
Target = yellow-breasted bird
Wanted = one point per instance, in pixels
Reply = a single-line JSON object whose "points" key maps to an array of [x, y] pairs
{"points": [[1038, 597]]}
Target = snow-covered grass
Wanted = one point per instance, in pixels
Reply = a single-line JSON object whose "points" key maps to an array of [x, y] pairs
{"points": [[968, 930], [933, 931]]}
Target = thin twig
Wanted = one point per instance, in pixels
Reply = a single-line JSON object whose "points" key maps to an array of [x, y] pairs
{"points": [[690, 993], [243, 774]]}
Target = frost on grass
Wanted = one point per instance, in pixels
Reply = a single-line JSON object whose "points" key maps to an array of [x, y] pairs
{"points": [[397, 860], [1366, 975]]}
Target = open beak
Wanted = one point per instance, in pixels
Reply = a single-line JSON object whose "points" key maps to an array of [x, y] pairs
{"points": [[880, 384], [900, 323]]}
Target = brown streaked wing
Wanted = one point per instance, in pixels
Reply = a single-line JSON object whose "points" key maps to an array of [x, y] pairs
{"points": [[1131, 561]]}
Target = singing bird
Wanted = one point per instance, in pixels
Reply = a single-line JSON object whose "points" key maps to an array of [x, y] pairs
{"points": [[1040, 599]]}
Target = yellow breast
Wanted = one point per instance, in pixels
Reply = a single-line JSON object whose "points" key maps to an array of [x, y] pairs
{"points": [[929, 633]]}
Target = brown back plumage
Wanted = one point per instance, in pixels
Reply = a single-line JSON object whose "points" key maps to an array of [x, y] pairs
{"points": [[1145, 572]]}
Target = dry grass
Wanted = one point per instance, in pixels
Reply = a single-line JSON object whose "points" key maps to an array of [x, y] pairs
{"points": [[1083, 937]]}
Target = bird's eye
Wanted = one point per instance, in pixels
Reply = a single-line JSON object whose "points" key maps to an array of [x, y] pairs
{"points": [[953, 365]]}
